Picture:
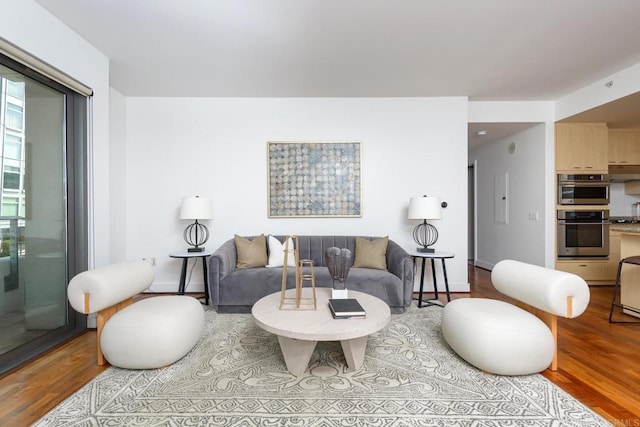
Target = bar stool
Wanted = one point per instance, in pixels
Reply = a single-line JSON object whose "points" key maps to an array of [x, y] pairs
{"points": [[634, 260]]}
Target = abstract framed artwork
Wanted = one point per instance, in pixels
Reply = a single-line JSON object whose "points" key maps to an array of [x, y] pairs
{"points": [[314, 179]]}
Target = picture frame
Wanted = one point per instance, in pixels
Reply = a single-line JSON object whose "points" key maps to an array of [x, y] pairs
{"points": [[314, 179]]}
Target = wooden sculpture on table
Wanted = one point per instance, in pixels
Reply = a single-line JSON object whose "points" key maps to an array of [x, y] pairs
{"points": [[303, 273]]}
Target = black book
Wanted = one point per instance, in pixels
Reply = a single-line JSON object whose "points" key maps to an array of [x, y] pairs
{"points": [[346, 308]]}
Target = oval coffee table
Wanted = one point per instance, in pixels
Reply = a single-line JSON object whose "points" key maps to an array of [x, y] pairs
{"points": [[298, 331]]}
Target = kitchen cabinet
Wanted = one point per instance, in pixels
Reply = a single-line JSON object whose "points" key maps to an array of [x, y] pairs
{"points": [[582, 148], [630, 277], [624, 147], [632, 188], [614, 253], [594, 272]]}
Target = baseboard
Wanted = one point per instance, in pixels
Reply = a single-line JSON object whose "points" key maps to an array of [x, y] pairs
{"points": [[485, 265]]}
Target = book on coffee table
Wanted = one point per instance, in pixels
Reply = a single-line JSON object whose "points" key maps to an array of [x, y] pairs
{"points": [[346, 308]]}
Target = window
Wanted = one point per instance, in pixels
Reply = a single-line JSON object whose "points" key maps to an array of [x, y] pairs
{"points": [[15, 89], [11, 178], [12, 147], [15, 117], [10, 206]]}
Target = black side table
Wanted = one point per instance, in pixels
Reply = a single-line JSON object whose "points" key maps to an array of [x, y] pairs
{"points": [[432, 256], [183, 275]]}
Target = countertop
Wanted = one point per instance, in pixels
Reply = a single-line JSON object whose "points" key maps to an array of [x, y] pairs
{"points": [[625, 228]]}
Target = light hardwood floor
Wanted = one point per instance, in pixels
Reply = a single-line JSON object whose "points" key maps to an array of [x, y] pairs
{"points": [[599, 365]]}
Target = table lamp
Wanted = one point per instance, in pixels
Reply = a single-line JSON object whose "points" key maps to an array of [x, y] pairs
{"points": [[196, 234], [424, 208]]}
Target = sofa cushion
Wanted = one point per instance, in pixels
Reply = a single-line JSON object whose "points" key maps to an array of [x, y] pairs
{"points": [[251, 253], [276, 252], [371, 253], [245, 287]]}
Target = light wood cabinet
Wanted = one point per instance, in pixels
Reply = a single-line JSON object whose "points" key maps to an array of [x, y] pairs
{"points": [[624, 147], [594, 272], [632, 188], [614, 253], [582, 148], [630, 277]]}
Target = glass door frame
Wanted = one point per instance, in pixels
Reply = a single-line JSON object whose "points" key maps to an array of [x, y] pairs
{"points": [[76, 107]]}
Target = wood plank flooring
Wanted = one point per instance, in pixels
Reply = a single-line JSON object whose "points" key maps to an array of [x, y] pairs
{"points": [[599, 365]]}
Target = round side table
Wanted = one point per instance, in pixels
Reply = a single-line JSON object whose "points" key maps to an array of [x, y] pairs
{"points": [[183, 274], [433, 256]]}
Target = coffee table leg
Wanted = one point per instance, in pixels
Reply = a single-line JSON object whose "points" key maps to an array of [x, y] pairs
{"points": [[354, 352], [297, 353]]}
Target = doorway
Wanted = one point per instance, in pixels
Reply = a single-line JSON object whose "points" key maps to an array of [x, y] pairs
{"points": [[471, 208]]}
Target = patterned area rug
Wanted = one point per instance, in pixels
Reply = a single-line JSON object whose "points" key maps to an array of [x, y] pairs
{"points": [[236, 376]]}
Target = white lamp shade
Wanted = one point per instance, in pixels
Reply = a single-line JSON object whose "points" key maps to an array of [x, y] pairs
{"points": [[196, 208], [426, 207]]}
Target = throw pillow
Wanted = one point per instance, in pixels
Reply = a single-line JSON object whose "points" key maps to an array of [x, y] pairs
{"points": [[251, 253], [371, 253], [276, 253]]}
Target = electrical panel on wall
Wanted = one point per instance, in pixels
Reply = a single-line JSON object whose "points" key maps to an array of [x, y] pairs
{"points": [[501, 198]]}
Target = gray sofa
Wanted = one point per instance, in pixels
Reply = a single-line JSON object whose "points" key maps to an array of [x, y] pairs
{"points": [[236, 290]]}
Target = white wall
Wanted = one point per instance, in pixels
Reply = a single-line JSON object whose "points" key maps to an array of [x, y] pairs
{"points": [[528, 112], [28, 26], [216, 148], [521, 238], [118, 173], [620, 203]]}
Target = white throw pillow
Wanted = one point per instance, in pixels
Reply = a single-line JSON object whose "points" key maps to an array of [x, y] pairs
{"points": [[276, 253]]}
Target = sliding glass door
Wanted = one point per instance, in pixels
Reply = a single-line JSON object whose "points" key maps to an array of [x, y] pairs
{"points": [[41, 224]]}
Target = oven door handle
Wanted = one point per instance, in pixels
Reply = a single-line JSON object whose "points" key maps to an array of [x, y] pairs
{"points": [[560, 222], [584, 183]]}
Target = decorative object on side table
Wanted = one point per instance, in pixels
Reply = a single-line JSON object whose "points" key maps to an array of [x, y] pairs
{"points": [[425, 208], [196, 234], [339, 262]]}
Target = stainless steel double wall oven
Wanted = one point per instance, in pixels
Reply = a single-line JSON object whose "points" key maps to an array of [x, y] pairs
{"points": [[583, 232]]}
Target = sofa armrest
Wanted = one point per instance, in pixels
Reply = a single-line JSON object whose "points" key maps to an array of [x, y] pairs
{"points": [[222, 262], [400, 263]]}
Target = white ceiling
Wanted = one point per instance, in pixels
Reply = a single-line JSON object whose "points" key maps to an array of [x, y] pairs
{"points": [[494, 132], [484, 49]]}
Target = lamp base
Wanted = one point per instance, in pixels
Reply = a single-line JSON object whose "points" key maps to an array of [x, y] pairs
{"points": [[425, 250], [196, 249]]}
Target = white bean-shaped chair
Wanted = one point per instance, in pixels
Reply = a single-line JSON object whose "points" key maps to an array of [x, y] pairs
{"points": [[148, 334], [502, 338]]}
